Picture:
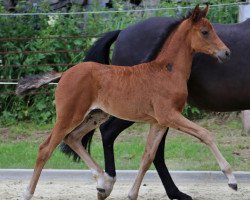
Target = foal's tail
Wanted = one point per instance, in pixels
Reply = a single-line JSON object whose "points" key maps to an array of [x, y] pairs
{"points": [[99, 52], [31, 83]]}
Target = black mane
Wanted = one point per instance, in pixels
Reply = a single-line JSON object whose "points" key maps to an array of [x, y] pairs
{"points": [[162, 38]]}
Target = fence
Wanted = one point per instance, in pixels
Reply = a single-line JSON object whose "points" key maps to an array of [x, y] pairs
{"points": [[43, 42], [12, 81]]}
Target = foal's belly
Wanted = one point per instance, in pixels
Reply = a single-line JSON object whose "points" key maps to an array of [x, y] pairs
{"points": [[128, 109], [129, 114]]}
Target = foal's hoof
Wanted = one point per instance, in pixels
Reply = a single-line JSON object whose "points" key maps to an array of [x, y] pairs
{"points": [[99, 197], [101, 193], [27, 195], [233, 186], [101, 190], [132, 197]]}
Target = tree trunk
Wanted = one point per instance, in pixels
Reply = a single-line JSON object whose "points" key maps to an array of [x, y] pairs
{"points": [[246, 120]]}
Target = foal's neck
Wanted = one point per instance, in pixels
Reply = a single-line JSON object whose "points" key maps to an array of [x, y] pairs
{"points": [[176, 53]]}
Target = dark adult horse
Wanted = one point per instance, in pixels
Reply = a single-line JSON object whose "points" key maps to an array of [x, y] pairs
{"points": [[212, 86]]}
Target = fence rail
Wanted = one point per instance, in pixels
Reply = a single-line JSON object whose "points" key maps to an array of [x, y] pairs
{"points": [[49, 38], [119, 11], [41, 65], [13, 81], [41, 51]]}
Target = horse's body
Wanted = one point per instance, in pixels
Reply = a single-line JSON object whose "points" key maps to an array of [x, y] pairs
{"points": [[119, 91], [212, 86]]}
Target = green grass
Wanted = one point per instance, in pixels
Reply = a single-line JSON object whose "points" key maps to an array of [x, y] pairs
{"points": [[18, 148]]}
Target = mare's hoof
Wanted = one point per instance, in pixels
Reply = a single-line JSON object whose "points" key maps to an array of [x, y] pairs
{"points": [[180, 196], [233, 186], [184, 198]]}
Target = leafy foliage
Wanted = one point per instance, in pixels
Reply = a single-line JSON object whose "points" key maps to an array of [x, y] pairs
{"points": [[77, 32]]}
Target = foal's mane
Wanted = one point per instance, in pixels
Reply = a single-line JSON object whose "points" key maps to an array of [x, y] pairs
{"points": [[162, 38]]}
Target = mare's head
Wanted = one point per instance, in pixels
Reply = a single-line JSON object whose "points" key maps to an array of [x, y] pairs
{"points": [[202, 36]]}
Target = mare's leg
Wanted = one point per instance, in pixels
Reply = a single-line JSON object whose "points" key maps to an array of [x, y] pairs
{"points": [[44, 153], [73, 139], [154, 138], [177, 121], [159, 162], [109, 131]]}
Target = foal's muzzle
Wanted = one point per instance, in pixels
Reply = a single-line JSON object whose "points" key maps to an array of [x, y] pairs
{"points": [[223, 55]]}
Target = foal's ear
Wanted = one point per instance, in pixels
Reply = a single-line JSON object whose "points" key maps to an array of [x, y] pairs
{"points": [[205, 11], [197, 14]]}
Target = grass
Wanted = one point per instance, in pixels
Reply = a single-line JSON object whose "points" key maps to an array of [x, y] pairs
{"points": [[19, 145]]}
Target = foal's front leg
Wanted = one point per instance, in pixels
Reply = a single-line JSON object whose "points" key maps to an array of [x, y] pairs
{"points": [[154, 138], [172, 190], [179, 122]]}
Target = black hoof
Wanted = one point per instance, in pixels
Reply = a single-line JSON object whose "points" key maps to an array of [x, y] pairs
{"points": [[233, 186], [180, 196], [100, 190]]}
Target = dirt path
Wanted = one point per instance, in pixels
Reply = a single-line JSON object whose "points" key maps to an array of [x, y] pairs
{"points": [[56, 190]]}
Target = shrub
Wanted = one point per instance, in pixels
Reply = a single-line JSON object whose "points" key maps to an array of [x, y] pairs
{"points": [[84, 29]]}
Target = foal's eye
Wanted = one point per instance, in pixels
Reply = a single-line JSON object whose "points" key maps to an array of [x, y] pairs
{"points": [[205, 33]]}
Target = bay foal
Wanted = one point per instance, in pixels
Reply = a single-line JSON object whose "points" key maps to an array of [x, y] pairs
{"points": [[153, 92]]}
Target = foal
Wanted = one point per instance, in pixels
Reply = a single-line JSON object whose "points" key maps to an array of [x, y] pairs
{"points": [[153, 92]]}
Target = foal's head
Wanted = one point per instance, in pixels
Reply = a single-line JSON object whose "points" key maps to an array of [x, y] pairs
{"points": [[202, 36]]}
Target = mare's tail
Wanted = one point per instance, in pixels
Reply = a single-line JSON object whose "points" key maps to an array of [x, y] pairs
{"points": [[31, 83], [99, 52]]}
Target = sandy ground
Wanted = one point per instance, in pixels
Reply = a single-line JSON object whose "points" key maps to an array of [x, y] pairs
{"points": [[69, 190]]}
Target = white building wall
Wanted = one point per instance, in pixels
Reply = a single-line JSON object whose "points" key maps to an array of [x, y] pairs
{"points": [[244, 12]]}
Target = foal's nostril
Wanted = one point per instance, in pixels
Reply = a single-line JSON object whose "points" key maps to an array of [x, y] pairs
{"points": [[223, 55], [227, 53], [101, 190]]}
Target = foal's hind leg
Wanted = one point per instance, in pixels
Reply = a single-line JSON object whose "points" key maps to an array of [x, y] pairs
{"points": [[179, 122], [44, 153], [110, 130], [94, 119]]}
